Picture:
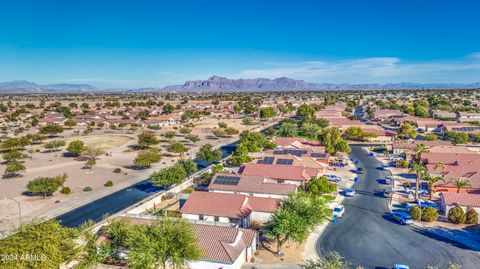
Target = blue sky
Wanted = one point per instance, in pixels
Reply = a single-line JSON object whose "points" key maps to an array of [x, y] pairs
{"points": [[157, 43]]}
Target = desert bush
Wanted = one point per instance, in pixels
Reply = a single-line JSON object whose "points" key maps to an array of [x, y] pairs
{"points": [[108, 184], [65, 190], [429, 214], [86, 189], [471, 217], [456, 215], [415, 212], [117, 170]]}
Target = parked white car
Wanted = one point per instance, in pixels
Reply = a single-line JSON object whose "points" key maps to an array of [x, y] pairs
{"points": [[338, 211], [388, 180], [350, 192]]}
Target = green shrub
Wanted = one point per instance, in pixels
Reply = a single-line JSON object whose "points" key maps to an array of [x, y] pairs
{"points": [[415, 212], [86, 189], [471, 217], [429, 214], [117, 170], [456, 215], [108, 184], [65, 190]]}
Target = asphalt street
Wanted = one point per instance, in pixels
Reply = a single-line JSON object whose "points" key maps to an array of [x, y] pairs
{"points": [[367, 237]]}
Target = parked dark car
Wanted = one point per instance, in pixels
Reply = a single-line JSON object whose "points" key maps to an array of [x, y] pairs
{"points": [[359, 170]]}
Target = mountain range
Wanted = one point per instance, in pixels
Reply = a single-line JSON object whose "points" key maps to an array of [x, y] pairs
{"points": [[222, 84]]}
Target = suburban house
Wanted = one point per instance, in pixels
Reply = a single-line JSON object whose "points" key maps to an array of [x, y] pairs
{"points": [[221, 247], [225, 209], [407, 147], [290, 159], [464, 200], [454, 166], [444, 115], [468, 116], [280, 173], [385, 114], [250, 185], [224, 247]]}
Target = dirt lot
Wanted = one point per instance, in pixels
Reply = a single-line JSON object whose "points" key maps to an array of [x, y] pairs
{"points": [[292, 253], [121, 155]]}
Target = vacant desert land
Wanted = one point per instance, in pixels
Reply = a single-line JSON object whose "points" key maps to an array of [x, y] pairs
{"points": [[121, 153]]}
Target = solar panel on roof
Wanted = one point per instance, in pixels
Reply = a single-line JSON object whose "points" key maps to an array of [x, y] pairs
{"points": [[285, 161], [268, 160], [318, 155], [227, 180]]}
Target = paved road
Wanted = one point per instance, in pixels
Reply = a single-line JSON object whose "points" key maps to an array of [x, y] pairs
{"points": [[366, 236], [119, 200]]}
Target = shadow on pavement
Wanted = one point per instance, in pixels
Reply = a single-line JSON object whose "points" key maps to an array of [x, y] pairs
{"points": [[434, 233]]}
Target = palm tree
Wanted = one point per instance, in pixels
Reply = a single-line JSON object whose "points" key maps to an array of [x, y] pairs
{"points": [[419, 170], [440, 165], [460, 183], [419, 150], [431, 180]]}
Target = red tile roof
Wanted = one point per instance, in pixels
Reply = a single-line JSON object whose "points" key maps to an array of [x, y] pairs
{"points": [[273, 171], [218, 243], [253, 184], [216, 204], [461, 199], [263, 204]]}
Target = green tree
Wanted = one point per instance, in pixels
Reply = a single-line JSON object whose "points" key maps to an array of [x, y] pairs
{"points": [[431, 181], [310, 130], [145, 158], [460, 183], [169, 134], [168, 176], [70, 123], [419, 171], [332, 260], [93, 152], [51, 129], [319, 186], [421, 111], [75, 147], [209, 154], [267, 112], [13, 155], [46, 185], [13, 167], [145, 140], [53, 145], [193, 138], [407, 130], [188, 165], [358, 134], [177, 147], [419, 150], [288, 129], [164, 242], [457, 137], [296, 217], [168, 108], [240, 155], [50, 239], [333, 142], [10, 143], [306, 112], [231, 131]]}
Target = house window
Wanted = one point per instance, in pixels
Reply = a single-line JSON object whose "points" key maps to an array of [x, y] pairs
{"points": [[280, 181], [200, 217], [217, 218]]}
